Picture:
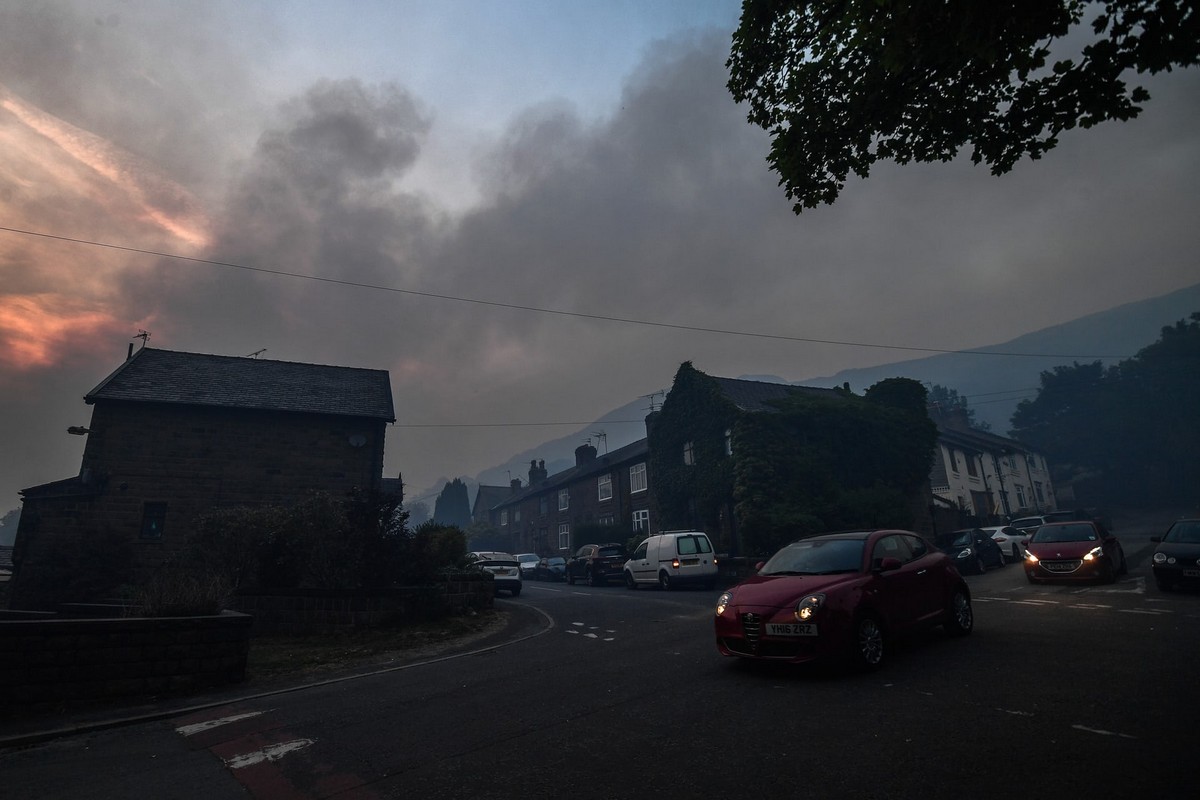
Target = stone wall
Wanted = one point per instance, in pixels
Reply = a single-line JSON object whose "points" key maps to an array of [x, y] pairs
{"points": [[309, 611], [46, 659]]}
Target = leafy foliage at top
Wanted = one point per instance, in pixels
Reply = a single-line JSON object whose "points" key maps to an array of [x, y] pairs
{"points": [[1129, 434], [841, 84], [944, 402]]}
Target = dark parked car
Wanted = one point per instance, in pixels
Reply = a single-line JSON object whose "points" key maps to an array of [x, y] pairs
{"points": [[551, 569], [594, 564], [842, 596], [1074, 551], [1176, 560], [972, 549]]}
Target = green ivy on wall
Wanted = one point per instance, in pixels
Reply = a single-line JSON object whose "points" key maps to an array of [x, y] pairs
{"points": [[815, 464]]}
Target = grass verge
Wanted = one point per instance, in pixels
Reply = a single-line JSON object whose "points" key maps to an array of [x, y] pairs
{"points": [[274, 657]]}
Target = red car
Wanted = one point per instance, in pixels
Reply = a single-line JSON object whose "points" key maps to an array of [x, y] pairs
{"points": [[842, 596], [1074, 551]]}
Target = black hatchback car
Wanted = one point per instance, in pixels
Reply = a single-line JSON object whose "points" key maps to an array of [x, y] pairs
{"points": [[972, 549], [594, 564], [1176, 560]]}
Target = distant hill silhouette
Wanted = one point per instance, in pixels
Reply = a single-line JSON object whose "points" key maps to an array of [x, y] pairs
{"points": [[993, 385]]}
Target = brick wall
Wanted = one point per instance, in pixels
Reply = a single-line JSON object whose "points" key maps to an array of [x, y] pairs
{"points": [[47, 660]]}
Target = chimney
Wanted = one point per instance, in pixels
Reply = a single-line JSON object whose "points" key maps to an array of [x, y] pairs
{"points": [[515, 485], [537, 471], [129, 355], [584, 454]]}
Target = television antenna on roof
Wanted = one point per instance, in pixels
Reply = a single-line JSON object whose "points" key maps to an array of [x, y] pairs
{"points": [[257, 353], [601, 436], [653, 403]]}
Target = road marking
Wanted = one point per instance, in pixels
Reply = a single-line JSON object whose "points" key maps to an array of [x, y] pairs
{"points": [[272, 753], [1150, 612], [1102, 732], [188, 730], [1089, 606], [1015, 713]]}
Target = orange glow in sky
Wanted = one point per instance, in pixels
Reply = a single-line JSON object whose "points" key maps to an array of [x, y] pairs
{"points": [[36, 329]]}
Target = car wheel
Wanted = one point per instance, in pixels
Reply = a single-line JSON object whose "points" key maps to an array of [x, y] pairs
{"points": [[1016, 554], [960, 619], [570, 578], [589, 579], [868, 643], [980, 567], [664, 581], [630, 583]]}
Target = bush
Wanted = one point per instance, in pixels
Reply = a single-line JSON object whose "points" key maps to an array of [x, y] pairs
{"points": [[174, 592]]}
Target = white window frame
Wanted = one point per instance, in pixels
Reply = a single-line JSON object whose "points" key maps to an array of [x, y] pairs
{"points": [[689, 453], [637, 478], [1020, 490], [604, 490], [564, 536], [564, 499], [503, 518], [641, 521]]}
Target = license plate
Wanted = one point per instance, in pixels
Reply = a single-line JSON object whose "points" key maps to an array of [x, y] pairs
{"points": [[1060, 567], [791, 629]]}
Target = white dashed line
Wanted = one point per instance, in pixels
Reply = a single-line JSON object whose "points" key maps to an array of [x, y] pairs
{"points": [[188, 730], [272, 753], [1102, 732]]}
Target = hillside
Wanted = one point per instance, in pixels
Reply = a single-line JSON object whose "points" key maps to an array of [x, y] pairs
{"points": [[993, 385]]}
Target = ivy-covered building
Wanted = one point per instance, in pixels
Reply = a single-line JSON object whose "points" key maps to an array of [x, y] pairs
{"points": [[759, 464]]}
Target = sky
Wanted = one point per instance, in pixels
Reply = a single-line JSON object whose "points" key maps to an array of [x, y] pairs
{"points": [[529, 212]]}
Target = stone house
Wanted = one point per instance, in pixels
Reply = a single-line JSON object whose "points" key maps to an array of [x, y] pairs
{"points": [[986, 477], [174, 434], [611, 489]]}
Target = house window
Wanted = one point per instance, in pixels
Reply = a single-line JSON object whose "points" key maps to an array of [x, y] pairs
{"points": [[1037, 490], [504, 517], [637, 478], [543, 505], [604, 487], [1020, 495], [1031, 462], [154, 516], [971, 466], [564, 499], [641, 521], [952, 459], [689, 454], [607, 519], [516, 515], [728, 441], [564, 536]]}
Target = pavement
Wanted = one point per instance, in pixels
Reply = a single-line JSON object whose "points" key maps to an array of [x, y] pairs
{"points": [[27, 727]]}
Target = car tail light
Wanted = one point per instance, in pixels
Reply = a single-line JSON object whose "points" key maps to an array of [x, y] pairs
{"points": [[675, 563]]}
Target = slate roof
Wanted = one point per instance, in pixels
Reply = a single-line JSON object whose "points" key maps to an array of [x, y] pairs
{"points": [[753, 395], [604, 463], [167, 376]]}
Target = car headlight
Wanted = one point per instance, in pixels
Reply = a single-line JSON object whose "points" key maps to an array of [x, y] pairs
{"points": [[808, 606], [723, 602], [1163, 558], [1030, 558], [1093, 554], [966, 553]]}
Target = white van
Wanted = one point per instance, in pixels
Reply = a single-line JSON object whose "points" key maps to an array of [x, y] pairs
{"points": [[672, 558]]}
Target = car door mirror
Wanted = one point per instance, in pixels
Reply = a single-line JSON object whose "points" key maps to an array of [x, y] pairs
{"points": [[889, 563], [758, 567]]}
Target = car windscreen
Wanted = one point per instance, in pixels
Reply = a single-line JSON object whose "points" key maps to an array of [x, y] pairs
{"points": [[611, 551], [555, 562], [486, 564], [816, 557], [953, 540], [527, 558], [1184, 533], [1027, 522], [1064, 533]]}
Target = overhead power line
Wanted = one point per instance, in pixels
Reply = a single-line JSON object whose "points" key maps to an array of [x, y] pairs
{"points": [[540, 310]]}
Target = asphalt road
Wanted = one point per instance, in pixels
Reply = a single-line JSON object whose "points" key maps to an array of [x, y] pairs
{"points": [[1062, 691]]}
